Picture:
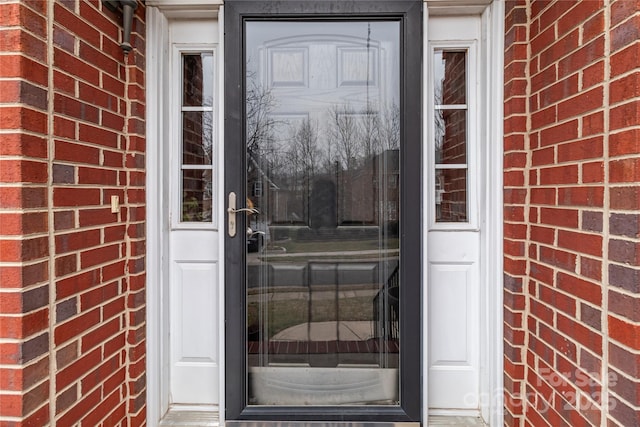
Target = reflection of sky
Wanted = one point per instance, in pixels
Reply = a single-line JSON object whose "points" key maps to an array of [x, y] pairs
{"points": [[438, 75], [311, 67], [320, 47], [259, 32], [438, 79], [207, 85]]}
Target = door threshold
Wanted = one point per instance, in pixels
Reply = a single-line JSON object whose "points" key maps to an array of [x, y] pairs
{"points": [[238, 423], [457, 421], [190, 418], [182, 418]]}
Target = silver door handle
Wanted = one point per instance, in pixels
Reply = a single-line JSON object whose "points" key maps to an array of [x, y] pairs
{"points": [[249, 210], [232, 211]]}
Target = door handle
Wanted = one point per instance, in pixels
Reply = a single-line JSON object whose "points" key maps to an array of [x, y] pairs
{"points": [[232, 211]]}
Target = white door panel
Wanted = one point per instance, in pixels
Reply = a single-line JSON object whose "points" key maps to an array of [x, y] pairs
{"points": [[453, 320], [194, 245], [453, 246], [194, 332], [453, 280]]}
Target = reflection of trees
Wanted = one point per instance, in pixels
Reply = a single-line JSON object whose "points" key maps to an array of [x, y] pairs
{"points": [[305, 143], [343, 134], [369, 128], [289, 158], [301, 160], [348, 136], [390, 127], [439, 125], [260, 123], [356, 136]]}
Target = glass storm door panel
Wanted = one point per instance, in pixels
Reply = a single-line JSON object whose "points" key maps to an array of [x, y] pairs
{"points": [[322, 243], [323, 164]]}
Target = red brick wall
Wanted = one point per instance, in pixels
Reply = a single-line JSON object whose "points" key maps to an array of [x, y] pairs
{"points": [[515, 228], [72, 300], [572, 213]]}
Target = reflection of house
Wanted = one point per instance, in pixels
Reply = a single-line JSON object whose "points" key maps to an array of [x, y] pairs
{"points": [[451, 152], [371, 193], [366, 195], [197, 128]]}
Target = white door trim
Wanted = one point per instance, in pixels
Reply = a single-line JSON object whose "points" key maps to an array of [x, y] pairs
{"points": [[158, 87], [157, 96], [221, 215], [491, 356]]}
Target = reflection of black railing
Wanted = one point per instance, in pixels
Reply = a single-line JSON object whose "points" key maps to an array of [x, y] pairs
{"points": [[386, 308]]}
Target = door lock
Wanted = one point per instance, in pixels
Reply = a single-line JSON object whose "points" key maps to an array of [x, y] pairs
{"points": [[232, 211]]}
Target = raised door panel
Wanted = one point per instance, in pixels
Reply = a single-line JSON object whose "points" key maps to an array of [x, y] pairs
{"points": [[194, 333], [453, 320]]}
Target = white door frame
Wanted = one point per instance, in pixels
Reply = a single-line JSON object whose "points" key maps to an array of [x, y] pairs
{"points": [[157, 61], [490, 131], [492, 269], [158, 96]]}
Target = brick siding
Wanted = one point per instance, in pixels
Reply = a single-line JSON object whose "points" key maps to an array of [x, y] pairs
{"points": [[572, 173], [72, 299]]}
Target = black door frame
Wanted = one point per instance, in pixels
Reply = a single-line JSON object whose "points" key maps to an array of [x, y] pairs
{"points": [[409, 14]]}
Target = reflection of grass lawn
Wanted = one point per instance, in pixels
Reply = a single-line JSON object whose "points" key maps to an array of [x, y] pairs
{"points": [[296, 246], [286, 313]]}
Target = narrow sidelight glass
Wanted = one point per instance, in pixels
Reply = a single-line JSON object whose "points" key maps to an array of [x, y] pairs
{"points": [[450, 136], [196, 158]]}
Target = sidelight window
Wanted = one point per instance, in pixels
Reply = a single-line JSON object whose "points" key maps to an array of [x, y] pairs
{"points": [[196, 134], [450, 136]]}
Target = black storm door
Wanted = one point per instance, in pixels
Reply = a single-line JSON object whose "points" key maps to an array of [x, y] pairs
{"points": [[323, 238]]}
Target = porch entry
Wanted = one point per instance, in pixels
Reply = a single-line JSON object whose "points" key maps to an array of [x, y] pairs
{"points": [[336, 176], [323, 218]]}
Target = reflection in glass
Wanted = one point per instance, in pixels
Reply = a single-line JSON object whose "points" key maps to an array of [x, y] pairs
{"points": [[197, 70], [450, 80], [451, 136], [196, 195], [323, 168], [451, 195], [197, 137]]}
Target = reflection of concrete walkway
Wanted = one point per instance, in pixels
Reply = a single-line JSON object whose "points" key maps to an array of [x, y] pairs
{"points": [[364, 291], [380, 252], [359, 330]]}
